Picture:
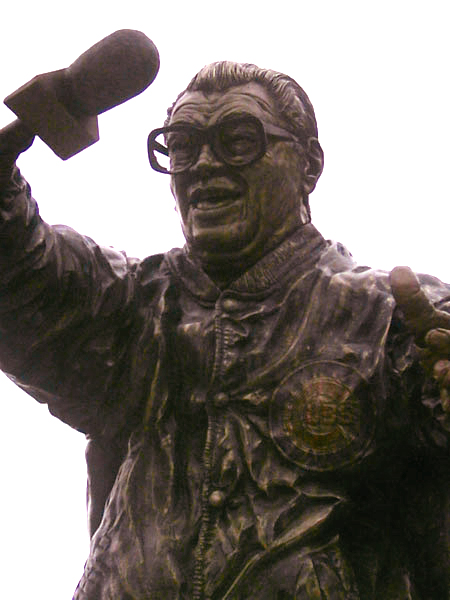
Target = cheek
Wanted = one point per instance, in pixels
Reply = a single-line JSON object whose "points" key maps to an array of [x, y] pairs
{"points": [[177, 192], [277, 181], [289, 167], [176, 187]]}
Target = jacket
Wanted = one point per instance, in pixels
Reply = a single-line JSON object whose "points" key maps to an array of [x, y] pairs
{"points": [[274, 439]]}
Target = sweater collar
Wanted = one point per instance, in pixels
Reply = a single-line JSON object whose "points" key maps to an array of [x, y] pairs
{"points": [[296, 254]]}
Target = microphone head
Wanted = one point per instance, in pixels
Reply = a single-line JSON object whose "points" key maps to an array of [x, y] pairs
{"points": [[112, 71]]}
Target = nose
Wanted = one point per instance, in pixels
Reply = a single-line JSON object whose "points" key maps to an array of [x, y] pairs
{"points": [[206, 159]]}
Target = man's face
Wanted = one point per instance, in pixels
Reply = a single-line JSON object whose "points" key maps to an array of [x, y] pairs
{"points": [[231, 216]]}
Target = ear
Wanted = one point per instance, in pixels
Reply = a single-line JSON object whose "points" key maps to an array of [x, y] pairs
{"points": [[313, 165]]}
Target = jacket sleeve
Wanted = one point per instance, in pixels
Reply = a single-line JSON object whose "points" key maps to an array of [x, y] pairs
{"points": [[65, 312]]}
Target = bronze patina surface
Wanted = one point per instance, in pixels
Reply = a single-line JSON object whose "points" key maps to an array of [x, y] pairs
{"points": [[265, 418]]}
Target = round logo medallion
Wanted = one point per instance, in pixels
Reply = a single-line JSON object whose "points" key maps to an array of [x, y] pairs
{"points": [[320, 416]]}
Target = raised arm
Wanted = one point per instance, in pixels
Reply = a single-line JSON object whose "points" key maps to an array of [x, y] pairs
{"points": [[64, 305]]}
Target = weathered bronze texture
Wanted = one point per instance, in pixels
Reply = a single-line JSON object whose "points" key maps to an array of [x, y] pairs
{"points": [[265, 418]]}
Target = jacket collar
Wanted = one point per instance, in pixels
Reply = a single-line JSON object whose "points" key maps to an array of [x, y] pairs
{"points": [[296, 254]]}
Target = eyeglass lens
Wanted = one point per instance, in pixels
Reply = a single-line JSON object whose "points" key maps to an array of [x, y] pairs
{"points": [[236, 143]]}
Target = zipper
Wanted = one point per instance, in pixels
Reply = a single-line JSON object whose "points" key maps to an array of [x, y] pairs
{"points": [[205, 528], [207, 460]]}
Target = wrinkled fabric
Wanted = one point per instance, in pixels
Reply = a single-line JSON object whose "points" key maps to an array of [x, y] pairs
{"points": [[275, 440]]}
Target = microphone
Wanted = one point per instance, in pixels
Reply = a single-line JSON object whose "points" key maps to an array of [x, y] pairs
{"points": [[62, 106], [112, 71]]}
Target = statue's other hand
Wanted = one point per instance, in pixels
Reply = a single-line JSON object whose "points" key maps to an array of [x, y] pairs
{"points": [[430, 326]]}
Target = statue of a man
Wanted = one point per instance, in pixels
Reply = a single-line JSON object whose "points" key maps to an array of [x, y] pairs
{"points": [[265, 419]]}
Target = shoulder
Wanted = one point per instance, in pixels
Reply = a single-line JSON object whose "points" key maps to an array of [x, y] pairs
{"points": [[156, 265], [337, 263]]}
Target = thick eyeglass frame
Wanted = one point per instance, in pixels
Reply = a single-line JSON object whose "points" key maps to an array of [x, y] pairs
{"points": [[211, 136]]}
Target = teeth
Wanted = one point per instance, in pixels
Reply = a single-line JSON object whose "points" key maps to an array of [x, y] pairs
{"points": [[213, 202], [208, 198]]}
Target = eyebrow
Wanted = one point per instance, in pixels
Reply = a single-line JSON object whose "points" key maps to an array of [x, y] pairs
{"points": [[196, 119], [227, 116]]}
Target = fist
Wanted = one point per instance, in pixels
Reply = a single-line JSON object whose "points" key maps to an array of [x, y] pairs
{"points": [[14, 139]]}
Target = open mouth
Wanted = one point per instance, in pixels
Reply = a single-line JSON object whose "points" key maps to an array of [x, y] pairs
{"points": [[213, 196]]}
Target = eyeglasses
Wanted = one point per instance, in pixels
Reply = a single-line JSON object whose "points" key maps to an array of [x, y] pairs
{"points": [[236, 141]]}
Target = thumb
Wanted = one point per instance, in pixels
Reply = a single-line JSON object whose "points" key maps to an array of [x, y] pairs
{"points": [[420, 314]]}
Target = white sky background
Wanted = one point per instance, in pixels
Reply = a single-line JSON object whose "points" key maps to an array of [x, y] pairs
{"points": [[377, 73]]}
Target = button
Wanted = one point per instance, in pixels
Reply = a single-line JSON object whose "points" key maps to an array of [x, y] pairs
{"points": [[221, 399], [216, 498], [230, 304]]}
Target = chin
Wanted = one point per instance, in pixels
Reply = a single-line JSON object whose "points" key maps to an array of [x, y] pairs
{"points": [[219, 242]]}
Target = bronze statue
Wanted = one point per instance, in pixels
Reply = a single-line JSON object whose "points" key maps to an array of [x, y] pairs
{"points": [[265, 419]]}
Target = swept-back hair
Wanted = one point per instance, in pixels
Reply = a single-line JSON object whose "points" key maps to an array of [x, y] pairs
{"points": [[290, 99]]}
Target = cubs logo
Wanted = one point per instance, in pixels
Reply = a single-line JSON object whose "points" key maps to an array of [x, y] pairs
{"points": [[321, 418]]}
